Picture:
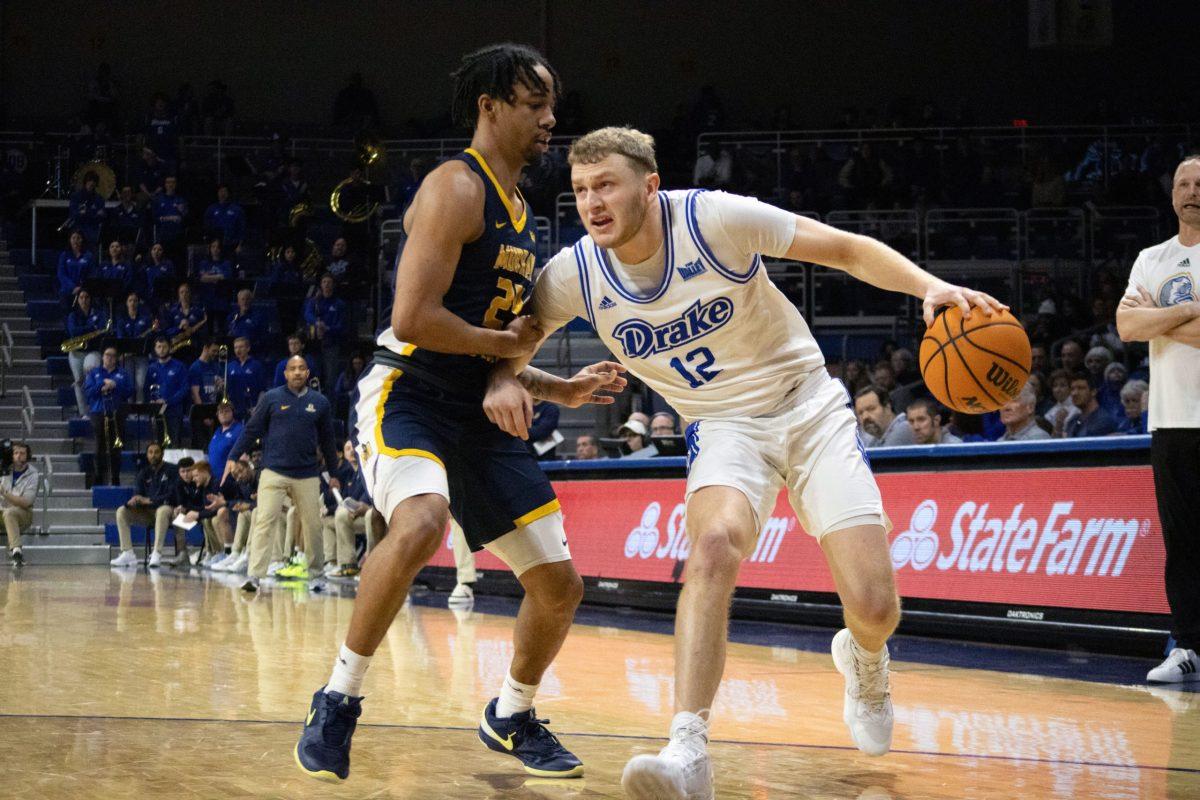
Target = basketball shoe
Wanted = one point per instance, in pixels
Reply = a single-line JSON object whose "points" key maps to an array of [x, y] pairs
{"points": [[680, 771], [463, 595], [527, 738], [867, 709], [324, 747], [1181, 666]]}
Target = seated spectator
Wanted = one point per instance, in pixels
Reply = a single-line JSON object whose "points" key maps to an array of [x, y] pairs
{"points": [[223, 439], [213, 277], [352, 516], [151, 504], [181, 497], [1095, 361], [135, 322], [285, 270], [86, 210], [225, 220], [1133, 403], [240, 492], [107, 388], [84, 319], [1017, 414], [168, 384], [1108, 393], [247, 379], [152, 174], [344, 387], [18, 491], [205, 503], [1092, 419], [168, 211], [904, 367], [1070, 356], [295, 346], [1037, 357], [247, 321], [636, 433], [158, 275], [1064, 409], [129, 219], [925, 419], [326, 318], [542, 438], [184, 317], [587, 447], [341, 267], [116, 269], [75, 265], [663, 424], [882, 427]]}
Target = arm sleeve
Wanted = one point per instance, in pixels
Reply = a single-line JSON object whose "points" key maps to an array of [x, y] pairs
{"points": [[310, 311], [65, 281], [29, 491], [72, 325], [91, 385], [181, 392], [557, 295], [124, 386], [737, 227], [1137, 275], [254, 430]]}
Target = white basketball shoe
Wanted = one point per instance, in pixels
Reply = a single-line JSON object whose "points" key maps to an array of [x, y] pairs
{"points": [[680, 771], [867, 709], [1181, 666]]}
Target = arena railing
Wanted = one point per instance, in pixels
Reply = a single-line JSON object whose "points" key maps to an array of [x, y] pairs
{"points": [[6, 358]]}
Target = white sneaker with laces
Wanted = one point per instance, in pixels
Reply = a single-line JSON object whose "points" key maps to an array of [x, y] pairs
{"points": [[127, 558], [1181, 666], [239, 564], [329, 569], [867, 709], [218, 560], [155, 560], [680, 771], [463, 595]]}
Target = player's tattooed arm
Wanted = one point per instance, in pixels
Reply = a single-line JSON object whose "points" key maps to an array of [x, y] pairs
{"points": [[509, 400], [541, 385]]}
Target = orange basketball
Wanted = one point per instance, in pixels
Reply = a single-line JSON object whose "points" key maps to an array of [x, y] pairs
{"points": [[975, 365]]}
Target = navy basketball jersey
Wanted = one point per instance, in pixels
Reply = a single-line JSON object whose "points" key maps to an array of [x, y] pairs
{"points": [[492, 282]]}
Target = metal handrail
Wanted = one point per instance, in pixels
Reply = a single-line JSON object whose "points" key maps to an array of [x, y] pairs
{"points": [[6, 358], [44, 488]]}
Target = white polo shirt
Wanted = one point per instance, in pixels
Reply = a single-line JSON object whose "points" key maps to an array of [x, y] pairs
{"points": [[1170, 273]]}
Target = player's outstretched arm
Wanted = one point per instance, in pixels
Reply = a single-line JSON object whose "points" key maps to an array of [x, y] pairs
{"points": [[1140, 320], [446, 214], [875, 263]]}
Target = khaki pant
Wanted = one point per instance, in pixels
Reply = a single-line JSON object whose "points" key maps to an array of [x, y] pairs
{"points": [[242, 535], [464, 559], [160, 517], [15, 521], [305, 494], [347, 526], [212, 537]]}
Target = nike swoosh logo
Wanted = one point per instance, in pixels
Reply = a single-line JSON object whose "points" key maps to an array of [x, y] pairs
{"points": [[284, 408], [505, 741], [312, 712], [500, 225]]}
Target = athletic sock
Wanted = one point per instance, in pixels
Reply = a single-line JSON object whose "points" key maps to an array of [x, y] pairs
{"points": [[863, 654], [515, 697], [349, 669], [688, 725]]}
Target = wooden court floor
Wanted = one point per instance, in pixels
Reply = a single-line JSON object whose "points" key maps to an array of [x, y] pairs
{"points": [[117, 685]]}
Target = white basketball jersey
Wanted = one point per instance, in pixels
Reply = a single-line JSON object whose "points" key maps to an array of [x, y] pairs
{"points": [[714, 339]]}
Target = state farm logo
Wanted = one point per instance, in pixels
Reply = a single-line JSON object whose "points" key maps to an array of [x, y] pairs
{"points": [[644, 540], [979, 542]]}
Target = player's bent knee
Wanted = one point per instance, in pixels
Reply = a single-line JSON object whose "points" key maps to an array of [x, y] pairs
{"points": [[877, 607], [713, 553]]}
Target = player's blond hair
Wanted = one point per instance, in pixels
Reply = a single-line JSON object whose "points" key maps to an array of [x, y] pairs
{"points": [[636, 146]]}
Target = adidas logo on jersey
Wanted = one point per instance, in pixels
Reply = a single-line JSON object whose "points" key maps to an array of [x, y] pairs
{"points": [[640, 339], [1185, 264], [691, 270], [606, 303]]}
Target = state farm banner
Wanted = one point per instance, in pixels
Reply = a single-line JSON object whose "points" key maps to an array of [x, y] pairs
{"points": [[1086, 538]]}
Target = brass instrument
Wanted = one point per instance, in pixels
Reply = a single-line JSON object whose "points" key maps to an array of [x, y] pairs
{"points": [[80, 341], [180, 340], [106, 179], [112, 442], [223, 354], [309, 261], [160, 418], [355, 198]]}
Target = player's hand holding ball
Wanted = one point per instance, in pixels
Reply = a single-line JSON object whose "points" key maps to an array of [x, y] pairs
{"points": [[975, 356]]}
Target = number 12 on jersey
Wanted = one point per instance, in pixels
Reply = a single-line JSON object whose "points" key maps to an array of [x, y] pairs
{"points": [[701, 361]]}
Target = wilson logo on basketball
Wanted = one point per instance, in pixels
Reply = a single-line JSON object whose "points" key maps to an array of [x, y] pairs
{"points": [[999, 377], [1060, 545], [643, 541]]}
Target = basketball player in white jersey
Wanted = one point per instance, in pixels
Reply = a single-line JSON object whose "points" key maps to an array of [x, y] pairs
{"points": [[673, 284]]}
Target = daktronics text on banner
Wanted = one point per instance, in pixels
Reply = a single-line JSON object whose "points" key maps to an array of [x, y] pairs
{"points": [[1084, 538]]}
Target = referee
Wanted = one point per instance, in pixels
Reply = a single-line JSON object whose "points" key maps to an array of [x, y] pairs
{"points": [[293, 422], [1162, 307]]}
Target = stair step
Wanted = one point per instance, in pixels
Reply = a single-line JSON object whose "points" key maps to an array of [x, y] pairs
{"points": [[96, 537], [48, 447], [38, 554], [60, 499], [72, 516]]}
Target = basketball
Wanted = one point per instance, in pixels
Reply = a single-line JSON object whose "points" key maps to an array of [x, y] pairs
{"points": [[974, 365]]}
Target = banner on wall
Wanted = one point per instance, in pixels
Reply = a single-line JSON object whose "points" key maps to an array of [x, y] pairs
{"points": [[1082, 538]]}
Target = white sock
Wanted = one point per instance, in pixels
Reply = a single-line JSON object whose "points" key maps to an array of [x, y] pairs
{"points": [[349, 669], [515, 697]]}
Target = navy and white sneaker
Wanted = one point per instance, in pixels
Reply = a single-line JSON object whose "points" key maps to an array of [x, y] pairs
{"points": [[324, 747], [1180, 666], [527, 738]]}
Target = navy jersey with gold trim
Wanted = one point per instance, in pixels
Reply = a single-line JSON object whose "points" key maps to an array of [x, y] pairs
{"points": [[492, 283]]}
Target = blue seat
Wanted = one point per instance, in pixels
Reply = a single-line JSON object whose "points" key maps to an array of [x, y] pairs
{"points": [[45, 311]]}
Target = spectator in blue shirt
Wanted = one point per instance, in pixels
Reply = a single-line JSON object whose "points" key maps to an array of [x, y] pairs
{"points": [[168, 210], [295, 346], [135, 322], [75, 265], [158, 274], [107, 388], [1133, 402], [294, 187], [225, 220], [224, 438], [129, 218], [1092, 420], [214, 276], [247, 379], [325, 316], [347, 380], [1108, 393], [247, 321], [206, 383], [86, 210], [184, 316], [115, 268], [168, 384], [83, 319], [162, 129], [152, 173], [285, 270]]}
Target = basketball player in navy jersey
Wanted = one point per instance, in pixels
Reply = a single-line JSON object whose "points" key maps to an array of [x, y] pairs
{"points": [[426, 448]]}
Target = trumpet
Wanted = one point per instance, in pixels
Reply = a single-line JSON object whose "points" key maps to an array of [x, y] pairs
{"points": [[80, 341], [223, 354]]}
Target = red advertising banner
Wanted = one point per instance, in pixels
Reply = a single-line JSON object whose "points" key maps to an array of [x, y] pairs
{"points": [[1086, 538]]}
